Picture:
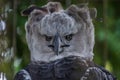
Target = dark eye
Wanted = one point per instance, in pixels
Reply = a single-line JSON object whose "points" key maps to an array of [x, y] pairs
{"points": [[48, 38], [69, 37]]}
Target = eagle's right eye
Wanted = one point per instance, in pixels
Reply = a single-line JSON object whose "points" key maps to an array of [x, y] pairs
{"points": [[48, 38], [69, 37]]}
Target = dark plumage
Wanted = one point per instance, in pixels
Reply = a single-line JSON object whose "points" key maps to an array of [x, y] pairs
{"points": [[61, 44], [68, 68]]}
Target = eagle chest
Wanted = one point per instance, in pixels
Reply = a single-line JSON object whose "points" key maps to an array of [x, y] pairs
{"points": [[65, 69], [68, 68]]}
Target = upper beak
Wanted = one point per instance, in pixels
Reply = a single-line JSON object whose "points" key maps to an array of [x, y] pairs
{"points": [[57, 44]]}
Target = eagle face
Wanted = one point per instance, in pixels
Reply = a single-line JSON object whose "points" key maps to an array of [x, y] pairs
{"points": [[54, 33]]}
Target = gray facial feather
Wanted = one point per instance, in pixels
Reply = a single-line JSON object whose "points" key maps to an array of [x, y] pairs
{"points": [[58, 22], [53, 7], [74, 20]]}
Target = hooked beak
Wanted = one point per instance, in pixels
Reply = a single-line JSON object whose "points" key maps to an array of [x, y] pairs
{"points": [[57, 45]]}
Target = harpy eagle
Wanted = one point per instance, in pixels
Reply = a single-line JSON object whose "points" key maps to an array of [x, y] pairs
{"points": [[61, 43]]}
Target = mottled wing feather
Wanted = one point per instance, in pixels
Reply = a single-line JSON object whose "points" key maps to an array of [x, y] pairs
{"points": [[22, 75], [94, 73], [108, 74]]}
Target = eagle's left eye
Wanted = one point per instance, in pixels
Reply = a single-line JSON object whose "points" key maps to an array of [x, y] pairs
{"points": [[48, 38], [69, 37]]}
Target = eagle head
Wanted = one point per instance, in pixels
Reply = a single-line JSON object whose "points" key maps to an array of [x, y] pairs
{"points": [[53, 32]]}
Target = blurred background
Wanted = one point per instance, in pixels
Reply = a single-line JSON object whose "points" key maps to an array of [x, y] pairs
{"points": [[14, 53]]}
